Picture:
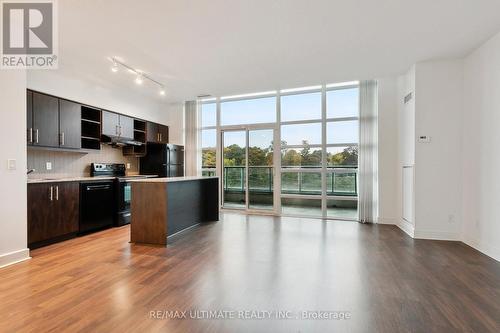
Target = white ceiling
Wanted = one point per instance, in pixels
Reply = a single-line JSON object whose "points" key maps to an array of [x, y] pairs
{"points": [[223, 47]]}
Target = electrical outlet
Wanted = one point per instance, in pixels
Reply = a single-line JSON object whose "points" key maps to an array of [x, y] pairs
{"points": [[11, 164], [451, 218], [128, 165], [48, 165]]}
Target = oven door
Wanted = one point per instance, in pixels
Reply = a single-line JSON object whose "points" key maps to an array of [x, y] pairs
{"points": [[125, 195], [124, 199]]}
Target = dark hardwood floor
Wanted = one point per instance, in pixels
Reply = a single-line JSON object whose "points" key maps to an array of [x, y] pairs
{"points": [[383, 279]]}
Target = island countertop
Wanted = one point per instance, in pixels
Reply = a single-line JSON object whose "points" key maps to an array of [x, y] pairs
{"points": [[163, 207], [172, 179]]}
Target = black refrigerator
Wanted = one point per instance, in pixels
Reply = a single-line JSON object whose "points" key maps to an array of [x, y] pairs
{"points": [[163, 160]]}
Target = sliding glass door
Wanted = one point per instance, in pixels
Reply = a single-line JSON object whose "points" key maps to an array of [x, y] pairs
{"points": [[234, 168], [248, 169]]}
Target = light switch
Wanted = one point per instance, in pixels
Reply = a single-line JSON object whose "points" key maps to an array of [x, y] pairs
{"points": [[11, 164], [424, 139], [48, 165]]}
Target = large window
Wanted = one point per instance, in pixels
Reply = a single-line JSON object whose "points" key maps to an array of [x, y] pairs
{"points": [[248, 111], [315, 172], [301, 107]]}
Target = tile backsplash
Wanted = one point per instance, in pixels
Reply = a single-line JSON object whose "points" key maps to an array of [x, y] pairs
{"points": [[73, 164]]}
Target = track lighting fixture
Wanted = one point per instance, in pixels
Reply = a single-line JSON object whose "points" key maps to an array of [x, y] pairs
{"points": [[140, 77]]}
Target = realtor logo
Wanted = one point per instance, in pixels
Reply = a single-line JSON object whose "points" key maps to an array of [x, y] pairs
{"points": [[29, 34]]}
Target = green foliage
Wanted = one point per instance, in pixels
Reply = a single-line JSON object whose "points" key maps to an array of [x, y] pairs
{"points": [[348, 157], [234, 155]]}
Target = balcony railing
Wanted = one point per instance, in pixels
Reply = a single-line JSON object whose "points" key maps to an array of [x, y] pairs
{"points": [[341, 181]]}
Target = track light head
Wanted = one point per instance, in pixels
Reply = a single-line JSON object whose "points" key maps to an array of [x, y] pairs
{"points": [[139, 79]]}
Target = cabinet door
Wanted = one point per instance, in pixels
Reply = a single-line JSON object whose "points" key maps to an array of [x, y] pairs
{"points": [[45, 120], [163, 131], [110, 123], [152, 132], [70, 125], [67, 206], [29, 116], [126, 127], [41, 203]]}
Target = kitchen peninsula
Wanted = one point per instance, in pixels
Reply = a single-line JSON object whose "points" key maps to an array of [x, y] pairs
{"points": [[162, 207]]}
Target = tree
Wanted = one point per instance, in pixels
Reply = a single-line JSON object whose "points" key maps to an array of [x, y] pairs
{"points": [[208, 158], [347, 157]]}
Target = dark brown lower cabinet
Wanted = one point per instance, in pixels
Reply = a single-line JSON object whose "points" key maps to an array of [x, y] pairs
{"points": [[53, 212]]}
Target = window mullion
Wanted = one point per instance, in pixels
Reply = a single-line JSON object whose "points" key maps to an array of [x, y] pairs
{"points": [[323, 152]]}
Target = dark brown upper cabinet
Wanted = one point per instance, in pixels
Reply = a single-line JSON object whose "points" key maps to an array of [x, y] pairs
{"points": [[157, 133], [52, 122], [44, 129], [70, 126], [116, 125], [29, 117], [152, 132], [163, 131]]}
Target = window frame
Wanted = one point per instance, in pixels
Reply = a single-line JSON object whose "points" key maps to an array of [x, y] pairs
{"points": [[324, 169]]}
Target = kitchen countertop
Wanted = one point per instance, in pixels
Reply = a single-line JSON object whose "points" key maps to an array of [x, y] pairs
{"points": [[171, 179], [76, 179]]}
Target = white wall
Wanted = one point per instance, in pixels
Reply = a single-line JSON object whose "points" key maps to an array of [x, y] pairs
{"points": [[13, 212], [406, 152], [387, 150], [438, 170], [481, 149], [174, 115], [407, 118]]}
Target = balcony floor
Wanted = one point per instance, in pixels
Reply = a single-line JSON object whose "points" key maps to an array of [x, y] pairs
{"points": [[337, 213]]}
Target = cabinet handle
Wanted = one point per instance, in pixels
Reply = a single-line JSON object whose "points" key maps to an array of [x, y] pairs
{"points": [[120, 130], [36, 135], [57, 192], [62, 139], [31, 135], [116, 130], [52, 193], [161, 136]]}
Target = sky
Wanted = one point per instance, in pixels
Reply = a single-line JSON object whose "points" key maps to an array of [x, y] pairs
{"points": [[306, 106]]}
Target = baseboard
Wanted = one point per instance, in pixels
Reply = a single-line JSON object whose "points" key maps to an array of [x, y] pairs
{"points": [[407, 227], [437, 235], [14, 257], [387, 220], [487, 249]]}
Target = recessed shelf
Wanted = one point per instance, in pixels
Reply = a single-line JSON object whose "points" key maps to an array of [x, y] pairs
{"points": [[91, 138], [91, 121], [91, 128], [91, 143]]}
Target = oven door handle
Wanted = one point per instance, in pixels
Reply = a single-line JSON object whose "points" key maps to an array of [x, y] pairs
{"points": [[98, 187]]}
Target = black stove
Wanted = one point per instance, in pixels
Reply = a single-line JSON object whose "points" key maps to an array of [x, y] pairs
{"points": [[107, 169], [123, 191]]}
